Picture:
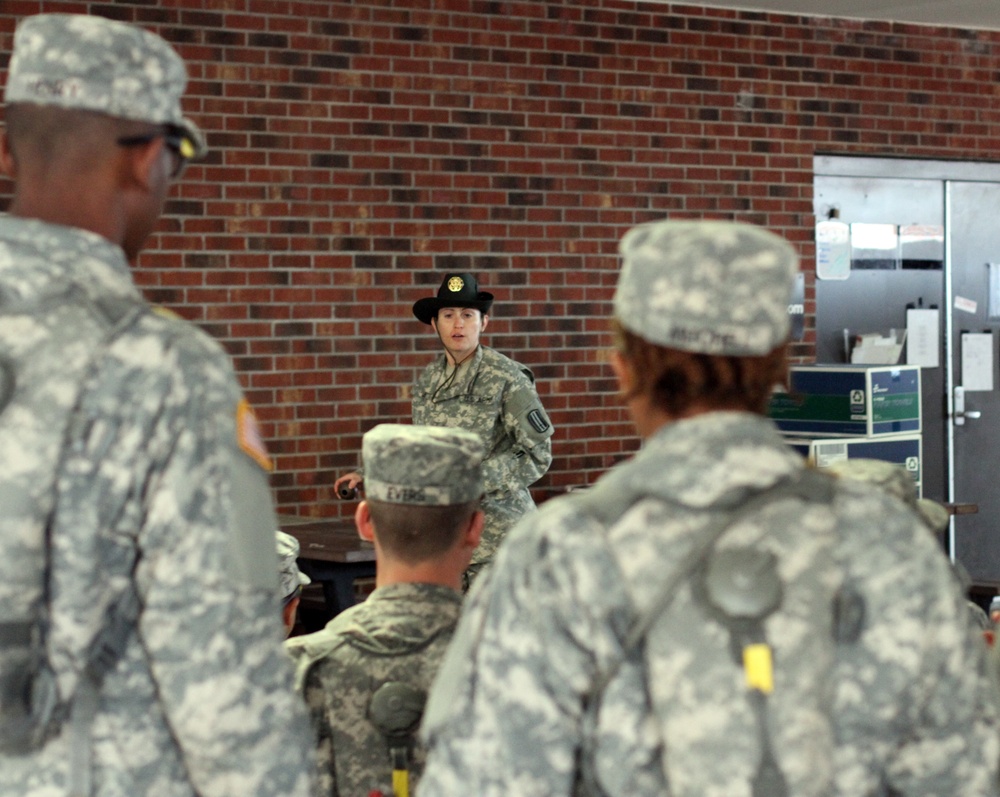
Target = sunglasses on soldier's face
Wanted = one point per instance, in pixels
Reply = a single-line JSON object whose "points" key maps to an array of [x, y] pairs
{"points": [[180, 146]]}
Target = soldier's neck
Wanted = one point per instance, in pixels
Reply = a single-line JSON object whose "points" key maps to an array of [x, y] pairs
{"points": [[442, 572], [83, 213], [456, 364]]}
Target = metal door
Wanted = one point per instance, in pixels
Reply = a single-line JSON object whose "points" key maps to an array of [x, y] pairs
{"points": [[877, 300], [963, 419], [972, 244]]}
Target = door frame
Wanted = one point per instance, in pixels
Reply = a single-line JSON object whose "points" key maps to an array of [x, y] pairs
{"points": [[947, 172]]}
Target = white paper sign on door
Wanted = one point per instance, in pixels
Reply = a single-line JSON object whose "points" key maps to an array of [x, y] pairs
{"points": [[833, 250], [923, 337], [977, 360]]}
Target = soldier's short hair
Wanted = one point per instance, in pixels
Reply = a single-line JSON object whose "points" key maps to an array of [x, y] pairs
{"points": [[676, 380], [413, 533]]}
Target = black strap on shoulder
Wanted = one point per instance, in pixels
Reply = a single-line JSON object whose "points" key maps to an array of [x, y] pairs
{"points": [[108, 645], [7, 382]]}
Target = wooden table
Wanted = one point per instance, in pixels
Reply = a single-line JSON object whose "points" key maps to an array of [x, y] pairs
{"points": [[333, 555]]}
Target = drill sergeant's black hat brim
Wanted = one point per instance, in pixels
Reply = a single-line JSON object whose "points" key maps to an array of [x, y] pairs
{"points": [[457, 290]]}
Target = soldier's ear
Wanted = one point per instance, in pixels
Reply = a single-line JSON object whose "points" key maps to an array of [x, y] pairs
{"points": [[486, 320], [474, 531], [363, 521], [143, 165], [624, 373]]}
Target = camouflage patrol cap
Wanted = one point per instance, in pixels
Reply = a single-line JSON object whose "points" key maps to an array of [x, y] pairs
{"points": [[895, 480], [290, 576], [892, 478], [711, 287], [422, 465], [90, 63]]}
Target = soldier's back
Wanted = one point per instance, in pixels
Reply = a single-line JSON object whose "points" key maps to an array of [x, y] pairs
{"points": [[399, 635]]}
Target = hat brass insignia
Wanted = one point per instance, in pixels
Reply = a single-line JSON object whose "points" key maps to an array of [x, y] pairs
{"points": [[455, 284]]}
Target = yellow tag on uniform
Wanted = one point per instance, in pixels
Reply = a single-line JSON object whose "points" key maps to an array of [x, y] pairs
{"points": [[759, 668], [249, 437], [401, 783]]}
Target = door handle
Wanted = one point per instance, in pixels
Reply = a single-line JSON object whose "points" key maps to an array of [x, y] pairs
{"points": [[960, 413]]}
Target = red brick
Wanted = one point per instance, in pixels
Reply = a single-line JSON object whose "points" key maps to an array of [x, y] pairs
{"points": [[351, 167]]}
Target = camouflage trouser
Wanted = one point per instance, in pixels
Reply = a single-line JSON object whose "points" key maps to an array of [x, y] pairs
{"points": [[470, 574]]}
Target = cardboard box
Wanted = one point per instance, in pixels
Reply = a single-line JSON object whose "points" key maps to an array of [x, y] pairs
{"points": [[849, 400], [905, 450]]}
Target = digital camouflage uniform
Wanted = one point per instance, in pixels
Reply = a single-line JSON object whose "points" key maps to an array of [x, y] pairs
{"points": [[157, 489], [896, 481], [551, 616], [400, 633], [891, 697], [161, 489], [495, 397]]}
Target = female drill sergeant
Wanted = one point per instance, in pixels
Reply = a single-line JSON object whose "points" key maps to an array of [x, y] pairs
{"points": [[477, 388]]}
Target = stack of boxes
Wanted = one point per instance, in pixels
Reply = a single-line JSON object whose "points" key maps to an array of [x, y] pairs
{"points": [[836, 412]]}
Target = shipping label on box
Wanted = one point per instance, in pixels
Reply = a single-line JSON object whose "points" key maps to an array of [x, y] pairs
{"points": [[845, 400], [905, 450]]}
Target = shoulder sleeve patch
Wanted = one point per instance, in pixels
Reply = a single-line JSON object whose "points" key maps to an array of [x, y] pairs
{"points": [[248, 436]]}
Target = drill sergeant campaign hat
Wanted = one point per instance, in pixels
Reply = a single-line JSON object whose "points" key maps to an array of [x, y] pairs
{"points": [[457, 290], [422, 465], [289, 575], [710, 287], [81, 62]]}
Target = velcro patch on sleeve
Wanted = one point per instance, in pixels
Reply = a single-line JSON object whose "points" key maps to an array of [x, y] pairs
{"points": [[525, 406], [538, 421], [249, 437]]}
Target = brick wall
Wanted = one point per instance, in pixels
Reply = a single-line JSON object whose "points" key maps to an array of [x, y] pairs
{"points": [[360, 149]]}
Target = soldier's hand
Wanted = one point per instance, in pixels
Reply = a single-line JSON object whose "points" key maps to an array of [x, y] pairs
{"points": [[348, 486]]}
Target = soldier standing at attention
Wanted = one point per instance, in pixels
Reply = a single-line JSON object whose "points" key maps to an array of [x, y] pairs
{"points": [[365, 675], [476, 388], [712, 618], [132, 464]]}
